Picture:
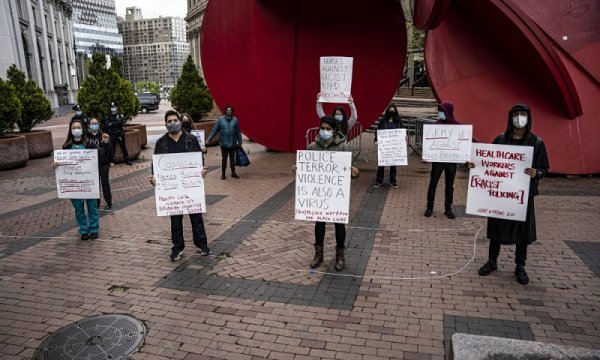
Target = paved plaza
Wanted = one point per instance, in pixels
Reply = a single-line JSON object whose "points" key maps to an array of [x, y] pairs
{"points": [[410, 282]]}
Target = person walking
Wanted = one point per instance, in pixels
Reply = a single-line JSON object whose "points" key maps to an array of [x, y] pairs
{"points": [[509, 232], [445, 117], [178, 141], [390, 120], [339, 113], [330, 138], [113, 125], [105, 159], [89, 224], [228, 127]]}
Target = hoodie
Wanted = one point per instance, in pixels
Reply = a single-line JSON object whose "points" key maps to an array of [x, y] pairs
{"points": [[448, 109]]}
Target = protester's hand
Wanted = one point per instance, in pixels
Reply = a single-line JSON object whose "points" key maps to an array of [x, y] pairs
{"points": [[204, 170], [319, 96], [531, 172], [55, 164], [112, 164], [350, 99], [204, 150], [375, 142], [105, 138], [354, 171], [470, 164], [294, 168], [152, 180]]}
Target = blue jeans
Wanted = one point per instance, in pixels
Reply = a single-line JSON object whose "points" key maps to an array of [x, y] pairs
{"points": [[88, 224]]}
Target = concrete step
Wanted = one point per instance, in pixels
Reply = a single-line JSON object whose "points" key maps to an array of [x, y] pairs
{"points": [[418, 92], [414, 102]]}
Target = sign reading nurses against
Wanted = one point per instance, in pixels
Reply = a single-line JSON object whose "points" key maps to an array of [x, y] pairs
{"points": [[498, 185], [77, 174], [391, 147], [336, 79], [179, 183], [323, 185], [447, 143]]}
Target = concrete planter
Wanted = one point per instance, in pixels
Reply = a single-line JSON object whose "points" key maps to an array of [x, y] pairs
{"points": [[143, 134], [13, 151], [132, 141], [39, 143], [207, 126]]}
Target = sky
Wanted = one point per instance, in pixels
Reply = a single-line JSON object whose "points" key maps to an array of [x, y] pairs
{"points": [[154, 8]]}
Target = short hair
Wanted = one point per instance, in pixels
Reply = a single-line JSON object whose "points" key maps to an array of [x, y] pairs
{"points": [[172, 112], [331, 121]]}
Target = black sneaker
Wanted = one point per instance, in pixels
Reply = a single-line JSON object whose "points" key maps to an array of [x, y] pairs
{"points": [[108, 207], [204, 251], [128, 162], [85, 237], [487, 268], [428, 213], [377, 185], [223, 177], [176, 255], [521, 275], [93, 236], [235, 176], [449, 214], [394, 185]]}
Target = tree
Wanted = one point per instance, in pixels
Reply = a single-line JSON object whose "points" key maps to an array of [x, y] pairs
{"points": [[190, 94], [36, 106], [104, 86], [10, 107]]}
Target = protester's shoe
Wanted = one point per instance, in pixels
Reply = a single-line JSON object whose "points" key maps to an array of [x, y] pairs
{"points": [[176, 255], [223, 177], [394, 185], [428, 213], [128, 162], [377, 185], [204, 251], [449, 214], [487, 268], [93, 236], [108, 207], [235, 176], [318, 257], [521, 275], [85, 237], [340, 260]]}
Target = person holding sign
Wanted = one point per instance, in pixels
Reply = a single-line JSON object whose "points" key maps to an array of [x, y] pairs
{"points": [[177, 141], [508, 232], [445, 117], [330, 138], [89, 224], [340, 114], [105, 158], [230, 138], [390, 120]]}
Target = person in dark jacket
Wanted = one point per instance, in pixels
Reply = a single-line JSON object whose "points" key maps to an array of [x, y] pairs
{"points": [[228, 127], [445, 117], [79, 115], [509, 232], [390, 120], [105, 158], [178, 141], [113, 125], [186, 123]]}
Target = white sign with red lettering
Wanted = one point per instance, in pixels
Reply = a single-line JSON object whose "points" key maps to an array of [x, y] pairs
{"points": [[336, 79], [77, 174], [498, 185], [447, 143]]}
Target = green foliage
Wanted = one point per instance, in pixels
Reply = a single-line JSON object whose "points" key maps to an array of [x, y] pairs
{"points": [[102, 87], [116, 63], [191, 95], [36, 106], [10, 107], [147, 86]]}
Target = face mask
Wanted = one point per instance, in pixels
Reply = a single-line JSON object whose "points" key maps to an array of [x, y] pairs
{"points": [[228, 112], [174, 127], [339, 117], [442, 115], [326, 134], [519, 121], [94, 127], [76, 133], [79, 113], [113, 110]]}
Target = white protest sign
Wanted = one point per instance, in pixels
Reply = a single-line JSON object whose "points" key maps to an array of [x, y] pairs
{"points": [[199, 134], [77, 174], [391, 147], [447, 143], [179, 183], [323, 185], [498, 185], [336, 79]]}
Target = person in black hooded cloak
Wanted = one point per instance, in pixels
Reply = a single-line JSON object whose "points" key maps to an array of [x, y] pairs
{"points": [[509, 232]]}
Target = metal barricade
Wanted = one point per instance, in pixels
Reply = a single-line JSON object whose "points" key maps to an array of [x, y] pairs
{"points": [[415, 133], [354, 142]]}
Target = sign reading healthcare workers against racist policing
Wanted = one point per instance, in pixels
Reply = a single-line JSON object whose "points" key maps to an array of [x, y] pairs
{"points": [[323, 185], [498, 185], [199, 134], [336, 79], [179, 183], [447, 143], [77, 174], [392, 147]]}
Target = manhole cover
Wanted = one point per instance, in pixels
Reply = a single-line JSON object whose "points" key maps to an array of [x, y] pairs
{"points": [[98, 337]]}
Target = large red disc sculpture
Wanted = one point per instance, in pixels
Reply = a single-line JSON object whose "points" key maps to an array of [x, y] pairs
{"points": [[262, 57]]}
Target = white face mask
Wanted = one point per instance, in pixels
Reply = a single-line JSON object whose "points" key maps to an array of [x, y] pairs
{"points": [[339, 117], [325, 134], [519, 121], [441, 115]]}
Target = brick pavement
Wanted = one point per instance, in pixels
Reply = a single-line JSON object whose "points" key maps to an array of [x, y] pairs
{"points": [[258, 298]]}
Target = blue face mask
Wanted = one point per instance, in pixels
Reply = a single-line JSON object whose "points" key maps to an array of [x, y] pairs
{"points": [[77, 133], [94, 127], [113, 110], [326, 134], [174, 127], [442, 115], [339, 117]]}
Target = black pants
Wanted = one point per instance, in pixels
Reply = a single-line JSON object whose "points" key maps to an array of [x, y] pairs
{"points": [[520, 252], [381, 171], [104, 170], [224, 153], [198, 231], [114, 139], [450, 173], [340, 234]]}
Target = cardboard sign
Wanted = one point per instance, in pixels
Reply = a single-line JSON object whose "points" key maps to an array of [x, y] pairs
{"points": [[336, 79], [323, 185], [447, 143], [498, 185], [199, 134], [179, 183], [392, 149], [77, 174]]}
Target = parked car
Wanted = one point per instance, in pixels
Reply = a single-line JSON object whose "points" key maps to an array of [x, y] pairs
{"points": [[148, 101]]}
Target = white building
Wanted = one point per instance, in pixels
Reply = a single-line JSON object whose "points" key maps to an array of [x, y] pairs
{"points": [[195, 15]]}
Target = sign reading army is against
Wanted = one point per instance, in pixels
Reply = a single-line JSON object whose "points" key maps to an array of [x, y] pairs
{"points": [[323, 185]]}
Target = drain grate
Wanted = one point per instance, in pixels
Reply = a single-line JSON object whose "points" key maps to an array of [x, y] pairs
{"points": [[97, 337]]}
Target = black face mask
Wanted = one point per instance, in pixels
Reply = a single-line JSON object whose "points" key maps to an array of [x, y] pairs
{"points": [[186, 126]]}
